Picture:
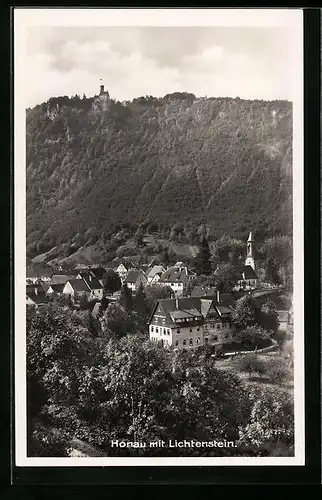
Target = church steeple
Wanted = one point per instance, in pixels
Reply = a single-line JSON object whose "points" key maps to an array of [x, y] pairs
{"points": [[250, 257]]}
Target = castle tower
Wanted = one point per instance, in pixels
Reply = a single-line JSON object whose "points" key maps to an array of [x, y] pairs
{"points": [[250, 257], [101, 89]]}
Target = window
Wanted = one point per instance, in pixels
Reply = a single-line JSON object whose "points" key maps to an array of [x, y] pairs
{"points": [[198, 329], [169, 331], [190, 329], [190, 342], [156, 329], [177, 343], [151, 328], [215, 338], [206, 340], [198, 340], [161, 330], [212, 325], [172, 284], [184, 342], [218, 326], [178, 330]]}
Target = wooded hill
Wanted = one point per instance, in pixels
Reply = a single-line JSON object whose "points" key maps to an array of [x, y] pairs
{"points": [[220, 162]]}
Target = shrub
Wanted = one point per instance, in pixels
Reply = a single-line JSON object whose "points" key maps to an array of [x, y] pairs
{"points": [[249, 363], [277, 369]]}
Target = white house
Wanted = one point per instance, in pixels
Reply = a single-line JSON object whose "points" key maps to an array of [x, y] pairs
{"points": [[123, 268], [134, 278], [189, 323], [177, 278], [154, 274]]}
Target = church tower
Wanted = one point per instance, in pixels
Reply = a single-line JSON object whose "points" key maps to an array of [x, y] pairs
{"points": [[250, 257]]}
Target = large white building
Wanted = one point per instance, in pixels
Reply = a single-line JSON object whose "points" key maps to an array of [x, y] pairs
{"points": [[191, 322]]}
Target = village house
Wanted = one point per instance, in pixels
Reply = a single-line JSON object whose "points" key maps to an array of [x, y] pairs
{"points": [[191, 322], [94, 286], [123, 269], [76, 288], [154, 274], [135, 278], [35, 296], [177, 278], [55, 288]]}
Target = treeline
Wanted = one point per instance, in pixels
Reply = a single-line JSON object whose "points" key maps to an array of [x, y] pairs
{"points": [[103, 387], [220, 162]]}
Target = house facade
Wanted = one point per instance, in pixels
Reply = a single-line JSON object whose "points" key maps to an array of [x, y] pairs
{"points": [[188, 323], [123, 269]]}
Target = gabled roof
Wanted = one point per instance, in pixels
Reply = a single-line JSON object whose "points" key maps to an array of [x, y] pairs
{"points": [[189, 307], [249, 273], [60, 278], [91, 281], [78, 285], [133, 275], [176, 275], [40, 298], [155, 270], [57, 287]]}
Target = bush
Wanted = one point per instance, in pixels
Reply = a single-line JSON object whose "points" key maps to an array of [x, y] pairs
{"points": [[249, 363], [277, 370]]}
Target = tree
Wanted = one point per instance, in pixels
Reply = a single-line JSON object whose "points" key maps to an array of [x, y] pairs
{"points": [[126, 299], [141, 305], [116, 321], [254, 337], [246, 312], [202, 261], [271, 422], [111, 281], [225, 277], [249, 363], [269, 316], [277, 370]]}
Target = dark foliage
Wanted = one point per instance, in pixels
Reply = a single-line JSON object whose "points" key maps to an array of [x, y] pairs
{"points": [[216, 162]]}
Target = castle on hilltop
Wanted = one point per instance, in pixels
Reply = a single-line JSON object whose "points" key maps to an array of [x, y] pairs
{"points": [[101, 101]]}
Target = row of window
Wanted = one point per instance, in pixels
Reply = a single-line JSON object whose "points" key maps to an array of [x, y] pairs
{"points": [[190, 343], [162, 330], [190, 329], [219, 325], [181, 320]]}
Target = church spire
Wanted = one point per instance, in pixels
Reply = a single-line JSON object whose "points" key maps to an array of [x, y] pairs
{"points": [[250, 257]]}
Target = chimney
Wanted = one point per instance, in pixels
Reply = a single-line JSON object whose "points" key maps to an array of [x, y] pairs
{"points": [[36, 290], [218, 296], [101, 89]]}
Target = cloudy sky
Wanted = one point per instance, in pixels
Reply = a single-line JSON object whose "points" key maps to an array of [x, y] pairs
{"points": [[247, 62]]}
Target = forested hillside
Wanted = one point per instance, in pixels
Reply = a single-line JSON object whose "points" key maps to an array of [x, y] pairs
{"points": [[220, 162]]}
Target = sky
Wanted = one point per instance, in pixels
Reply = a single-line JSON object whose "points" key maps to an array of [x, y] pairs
{"points": [[249, 62]]}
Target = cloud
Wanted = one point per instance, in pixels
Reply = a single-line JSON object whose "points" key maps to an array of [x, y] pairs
{"points": [[250, 63]]}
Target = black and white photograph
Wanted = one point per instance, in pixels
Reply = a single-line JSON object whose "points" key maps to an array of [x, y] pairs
{"points": [[159, 220]]}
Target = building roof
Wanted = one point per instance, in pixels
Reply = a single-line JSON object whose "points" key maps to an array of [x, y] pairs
{"points": [[40, 298], [98, 271], [155, 270], [57, 287], [90, 280], [78, 285], [133, 275], [247, 270], [188, 308], [60, 278], [176, 275]]}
